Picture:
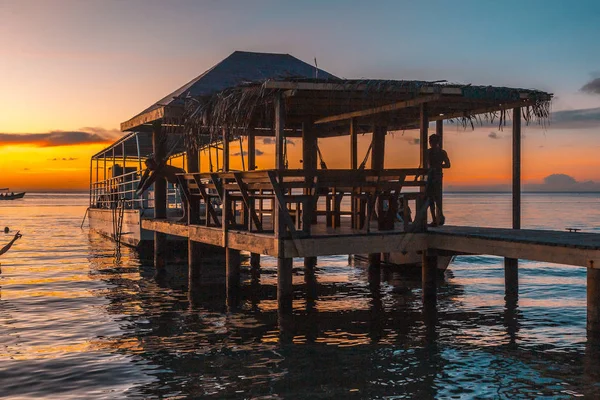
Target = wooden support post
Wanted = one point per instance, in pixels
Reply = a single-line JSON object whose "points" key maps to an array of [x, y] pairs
{"points": [[160, 197], [310, 263], [251, 151], [193, 213], [378, 149], [284, 264], [254, 257], [309, 165], [429, 276], [279, 133], [254, 260], [353, 166], [511, 265], [439, 130], [377, 163], [423, 140], [225, 150], [353, 144], [593, 302], [232, 272]]}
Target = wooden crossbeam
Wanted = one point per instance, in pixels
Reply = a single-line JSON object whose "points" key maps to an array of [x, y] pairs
{"points": [[206, 197], [246, 200], [378, 110], [283, 212]]}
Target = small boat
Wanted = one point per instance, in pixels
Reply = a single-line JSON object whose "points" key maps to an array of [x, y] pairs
{"points": [[5, 195]]}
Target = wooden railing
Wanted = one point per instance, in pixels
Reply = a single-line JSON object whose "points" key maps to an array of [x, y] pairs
{"points": [[293, 200]]}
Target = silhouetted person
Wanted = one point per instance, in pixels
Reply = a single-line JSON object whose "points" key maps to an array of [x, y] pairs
{"points": [[155, 171], [438, 159], [8, 246]]}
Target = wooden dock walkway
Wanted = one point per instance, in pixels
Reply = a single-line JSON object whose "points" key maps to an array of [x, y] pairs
{"points": [[561, 247]]}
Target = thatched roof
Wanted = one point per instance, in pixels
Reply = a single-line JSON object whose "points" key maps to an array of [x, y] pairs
{"points": [[239, 68], [331, 103]]}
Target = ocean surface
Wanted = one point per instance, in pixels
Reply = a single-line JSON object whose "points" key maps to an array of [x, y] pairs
{"points": [[79, 321]]}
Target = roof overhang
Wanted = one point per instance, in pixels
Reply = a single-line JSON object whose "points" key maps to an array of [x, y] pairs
{"points": [[143, 122]]}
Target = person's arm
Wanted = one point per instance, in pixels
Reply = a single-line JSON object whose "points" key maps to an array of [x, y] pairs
{"points": [[446, 161], [7, 247]]}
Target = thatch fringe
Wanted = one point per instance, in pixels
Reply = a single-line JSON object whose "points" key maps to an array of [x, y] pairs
{"points": [[236, 109]]}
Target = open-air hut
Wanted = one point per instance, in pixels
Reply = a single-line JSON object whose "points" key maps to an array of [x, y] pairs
{"points": [[298, 213]]}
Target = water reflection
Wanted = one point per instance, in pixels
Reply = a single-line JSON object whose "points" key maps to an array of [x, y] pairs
{"points": [[88, 324]]}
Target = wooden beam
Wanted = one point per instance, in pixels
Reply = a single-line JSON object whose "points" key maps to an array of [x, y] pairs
{"points": [[150, 116], [247, 201], [378, 110], [348, 86]]}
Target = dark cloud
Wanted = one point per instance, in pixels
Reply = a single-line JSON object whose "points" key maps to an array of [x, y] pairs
{"points": [[62, 159], [580, 118], [592, 87], [60, 138], [563, 183], [25, 169], [256, 151], [412, 141], [270, 140], [494, 135]]}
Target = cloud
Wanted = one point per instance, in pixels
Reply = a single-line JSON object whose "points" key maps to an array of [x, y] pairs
{"points": [[63, 159], [563, 183], [592, 87], [494, 135], [86, 135], [256, 151], [270, 140], [580, 118]]}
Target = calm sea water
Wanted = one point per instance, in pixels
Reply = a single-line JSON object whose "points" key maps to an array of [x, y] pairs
{"points": [[78, 322]]}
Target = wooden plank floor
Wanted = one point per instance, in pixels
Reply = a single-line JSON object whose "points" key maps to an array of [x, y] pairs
{"points": [[580, 240]]}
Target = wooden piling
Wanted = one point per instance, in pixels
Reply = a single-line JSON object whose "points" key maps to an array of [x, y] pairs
{"points": [[232, 272], [429, 276], [310, 263], [593, 301], [284, 283], [160, 197], [511, 265]]}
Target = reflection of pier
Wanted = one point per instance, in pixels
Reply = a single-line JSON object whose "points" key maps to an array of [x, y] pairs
{"points": [[297, 213]]}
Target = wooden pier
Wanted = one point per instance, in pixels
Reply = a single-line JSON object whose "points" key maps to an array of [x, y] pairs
{"points": [[288, 213]]}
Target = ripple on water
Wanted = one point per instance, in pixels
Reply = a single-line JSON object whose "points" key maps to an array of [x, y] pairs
{"points": [[78, 322]]}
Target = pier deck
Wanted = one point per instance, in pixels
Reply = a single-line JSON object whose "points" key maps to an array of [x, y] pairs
{"points": [[581, 249]]}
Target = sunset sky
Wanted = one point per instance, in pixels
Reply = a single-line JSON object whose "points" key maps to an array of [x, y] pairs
{"points": [[72, 71]]}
